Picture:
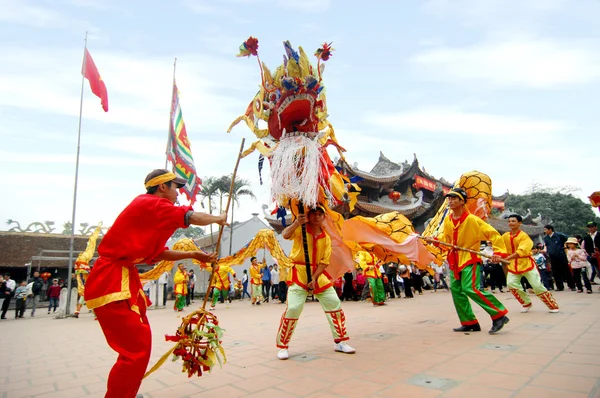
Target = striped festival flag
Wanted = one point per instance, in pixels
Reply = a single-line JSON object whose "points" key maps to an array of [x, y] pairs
{"points": [[179, 151]]}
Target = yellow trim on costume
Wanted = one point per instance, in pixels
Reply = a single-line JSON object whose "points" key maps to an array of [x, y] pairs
{"points": [[161, 179], [124, 294]]}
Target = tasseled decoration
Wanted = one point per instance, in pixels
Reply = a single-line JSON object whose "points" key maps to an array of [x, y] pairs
{"points": [[296, 170], [261, 160], [324, 53], [249, 47]]}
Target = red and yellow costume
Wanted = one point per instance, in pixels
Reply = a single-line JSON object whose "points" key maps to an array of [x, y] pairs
{"points": [[319, 247], [180, 288], [256, 281], [114, 290], [468, 232], [524, 266], [221, 282], [368, 262], [320, 253]]}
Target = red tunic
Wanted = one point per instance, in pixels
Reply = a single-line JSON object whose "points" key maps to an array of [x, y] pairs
{"points": [[138, 235]]}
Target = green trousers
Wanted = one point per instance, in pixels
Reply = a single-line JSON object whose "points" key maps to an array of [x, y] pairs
{"points": [[377, 290], [180, 302], [217, 293], [467, 287]]}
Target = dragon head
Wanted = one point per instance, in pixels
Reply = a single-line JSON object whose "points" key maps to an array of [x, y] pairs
{"points": [[292, 98]]}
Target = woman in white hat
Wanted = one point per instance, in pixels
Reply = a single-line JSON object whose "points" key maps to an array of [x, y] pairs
{"points": [[578, 260]]}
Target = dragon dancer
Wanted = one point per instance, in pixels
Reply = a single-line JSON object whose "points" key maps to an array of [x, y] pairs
{"points": [[319, 245], [221, 283], [370, 265], [114, 289], [256, 280], [461, 228], [180, 289], [519, 245]]}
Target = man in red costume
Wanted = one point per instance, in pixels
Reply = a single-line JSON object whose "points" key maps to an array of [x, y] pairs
{"points": [[113, 288]]}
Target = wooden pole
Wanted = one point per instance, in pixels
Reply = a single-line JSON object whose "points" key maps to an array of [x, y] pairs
{"points": [[221, 228], [464, 249], [305, 246]]}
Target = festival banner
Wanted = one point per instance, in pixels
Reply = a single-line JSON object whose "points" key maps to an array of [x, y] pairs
{"points": [[422, 182], [179, 150]]}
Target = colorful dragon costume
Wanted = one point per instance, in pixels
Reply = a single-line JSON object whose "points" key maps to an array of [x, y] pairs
{"points": [[82, 266], [292, 102]]}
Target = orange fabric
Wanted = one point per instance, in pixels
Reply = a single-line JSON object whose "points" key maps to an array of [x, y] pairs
{"points": [[130, 336], [411, 249]]}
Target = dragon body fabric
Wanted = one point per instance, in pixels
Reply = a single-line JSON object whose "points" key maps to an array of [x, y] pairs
{"points": [[82, 264]]}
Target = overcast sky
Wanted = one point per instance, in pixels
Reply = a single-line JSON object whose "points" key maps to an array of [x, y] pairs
{"points": [[507, 87]]}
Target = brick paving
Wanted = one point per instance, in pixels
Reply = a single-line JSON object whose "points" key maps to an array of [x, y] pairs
{"points": [[405, 348]]}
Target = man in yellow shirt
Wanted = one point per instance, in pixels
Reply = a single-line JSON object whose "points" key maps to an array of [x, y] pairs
{"points": [[464, 229], [519, 245], [221, 283], [256, 280], [319, 249]]}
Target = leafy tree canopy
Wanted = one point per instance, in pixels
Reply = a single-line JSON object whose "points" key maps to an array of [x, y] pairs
{"points": [[190, 232], [569, 214]]}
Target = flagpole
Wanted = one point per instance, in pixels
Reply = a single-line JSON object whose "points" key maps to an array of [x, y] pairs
{"points": [[72, 242], [169, 139]]}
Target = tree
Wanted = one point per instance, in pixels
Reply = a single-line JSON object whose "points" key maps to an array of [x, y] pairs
{"points": [[210, 189], [568, 213], [190, 232], [241, 187]]}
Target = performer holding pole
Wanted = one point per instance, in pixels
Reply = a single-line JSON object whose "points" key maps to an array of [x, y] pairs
{"points": [[461, 228], [113, 288], [319, 244], [519, 246]]}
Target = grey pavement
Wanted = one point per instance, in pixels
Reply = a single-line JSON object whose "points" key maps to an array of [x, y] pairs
{"points": [[405, 348]]}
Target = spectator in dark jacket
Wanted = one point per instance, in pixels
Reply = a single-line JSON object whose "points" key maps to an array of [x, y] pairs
{"points": [[555, 248], [36, 289]]}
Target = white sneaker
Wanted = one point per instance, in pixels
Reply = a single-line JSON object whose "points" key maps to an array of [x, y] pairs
{"points": [[343, 347], [554, 311], [283, 354], [212, 308], [525, 309]]}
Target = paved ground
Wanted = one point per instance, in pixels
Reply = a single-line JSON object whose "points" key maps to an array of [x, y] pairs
{"points": [[406, 348]]}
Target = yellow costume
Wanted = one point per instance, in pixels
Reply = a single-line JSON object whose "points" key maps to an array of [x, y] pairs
{"points": [[368, 262], [468, 232], [220, 281], [524, 266], [320, 254], [180, 280], [256, 281]]}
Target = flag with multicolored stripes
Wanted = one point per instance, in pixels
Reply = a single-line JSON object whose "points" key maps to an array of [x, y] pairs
{"points": [[179, 151]]}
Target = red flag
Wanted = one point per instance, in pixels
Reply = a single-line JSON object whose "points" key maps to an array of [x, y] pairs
{"points": [[97, 85]]}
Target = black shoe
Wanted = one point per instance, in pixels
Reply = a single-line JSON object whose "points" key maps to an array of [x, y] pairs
{"points": [[468, 328], [498, 324]]}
